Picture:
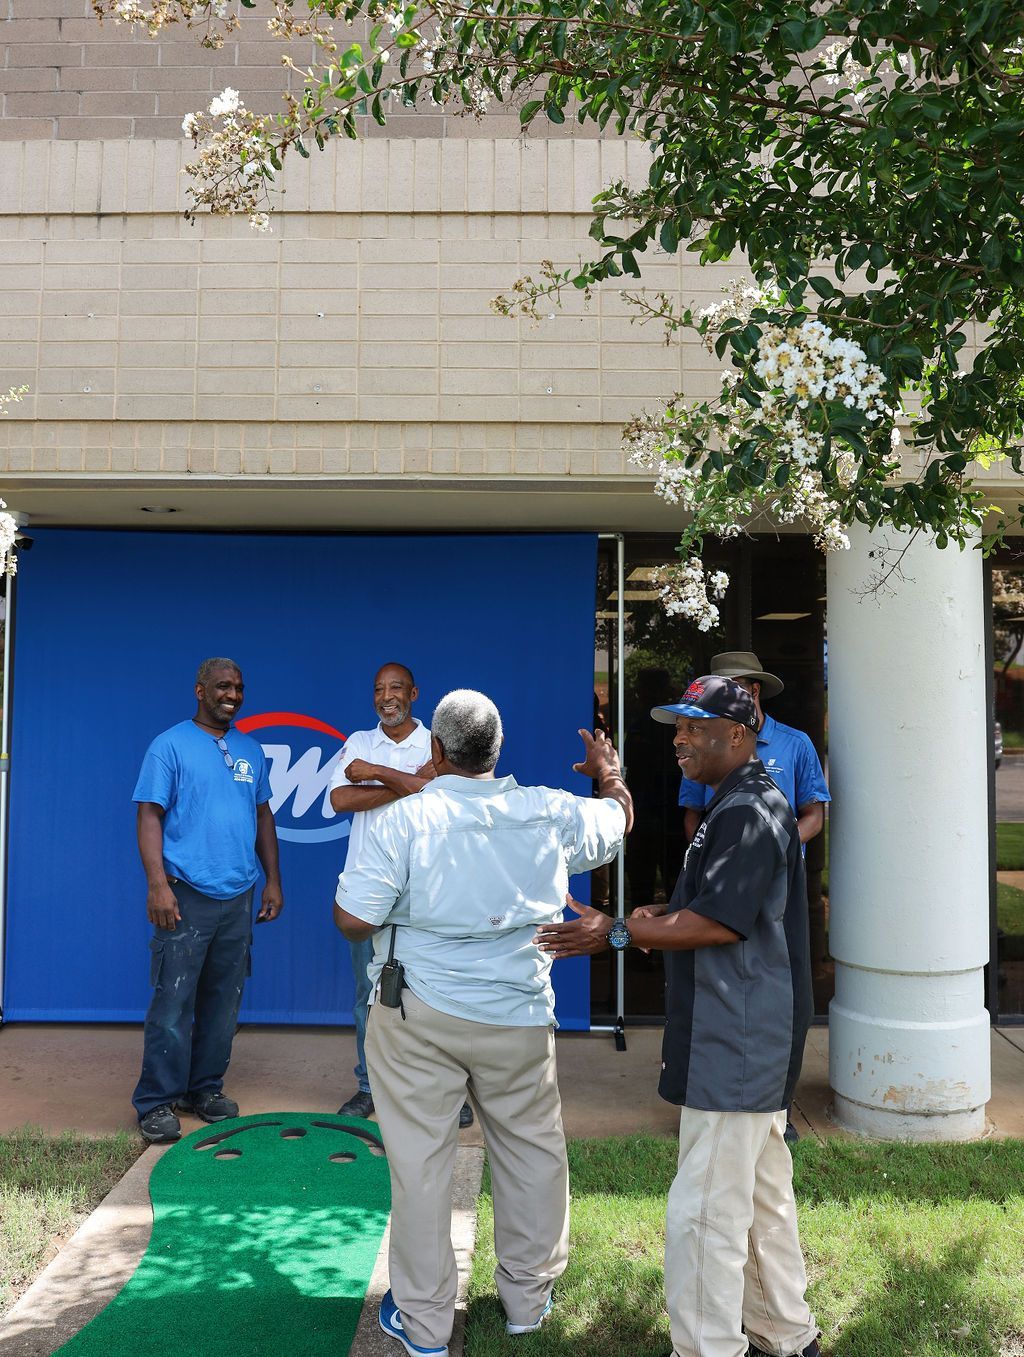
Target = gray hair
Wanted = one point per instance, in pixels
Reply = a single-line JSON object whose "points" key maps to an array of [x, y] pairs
{"points": [[468, 727], [211, 665]]}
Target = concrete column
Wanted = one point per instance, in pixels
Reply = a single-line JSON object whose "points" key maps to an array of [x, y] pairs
{"points": [[909, 1041]]}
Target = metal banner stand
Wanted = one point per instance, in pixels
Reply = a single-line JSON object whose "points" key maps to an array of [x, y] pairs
{"points": [[616, 662], [5, 779]]}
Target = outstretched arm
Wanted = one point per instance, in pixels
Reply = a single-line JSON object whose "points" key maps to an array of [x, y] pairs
{"points": [[679, 932], [601, 763]]}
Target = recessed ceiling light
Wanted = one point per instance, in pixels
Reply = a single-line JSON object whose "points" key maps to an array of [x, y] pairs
{"points": [[157, 509], [634, 594], [643, 572]]}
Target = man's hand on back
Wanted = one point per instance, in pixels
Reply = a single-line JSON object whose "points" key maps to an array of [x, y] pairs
{"points": [[162, 906], [579, 937]]}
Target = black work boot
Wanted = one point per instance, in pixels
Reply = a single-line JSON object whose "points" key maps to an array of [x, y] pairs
{"points": [[160, 1126], [209, 1106]]}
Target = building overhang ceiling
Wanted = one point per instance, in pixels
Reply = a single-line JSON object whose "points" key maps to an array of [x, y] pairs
{"points": [[373, 504]]}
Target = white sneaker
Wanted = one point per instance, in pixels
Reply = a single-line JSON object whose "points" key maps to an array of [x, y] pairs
{"points": [[530, 1328]]}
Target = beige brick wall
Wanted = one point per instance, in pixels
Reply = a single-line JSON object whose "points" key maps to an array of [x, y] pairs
{"points": [[309, 449], [367, 308], [64, 75], [355, 340]]}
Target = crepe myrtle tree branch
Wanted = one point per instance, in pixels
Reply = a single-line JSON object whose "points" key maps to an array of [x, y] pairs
{"points": [[863, 165]]}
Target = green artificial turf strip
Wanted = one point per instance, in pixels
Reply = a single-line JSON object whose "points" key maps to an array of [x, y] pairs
{"points": [[912, 1251], [47, 1185], [261, 1244]]}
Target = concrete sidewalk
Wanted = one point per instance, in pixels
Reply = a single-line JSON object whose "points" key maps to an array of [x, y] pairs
{"points": [[79, 1077]]}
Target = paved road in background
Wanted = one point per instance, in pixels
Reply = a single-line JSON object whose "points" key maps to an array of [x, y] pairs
{"points": [[1010, 790]]}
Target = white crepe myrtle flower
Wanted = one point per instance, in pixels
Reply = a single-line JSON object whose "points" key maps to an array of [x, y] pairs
{"points": [[233, 169], [776, 441], [8, 535], [683, 590], [225, 104]]}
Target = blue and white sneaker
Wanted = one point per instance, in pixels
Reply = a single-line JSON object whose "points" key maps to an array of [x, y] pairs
{"points": [[530, 1328], [390, 1321]]}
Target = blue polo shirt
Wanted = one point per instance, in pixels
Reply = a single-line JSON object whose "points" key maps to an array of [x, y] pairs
{"points": [[790, 761], [209, 808]]}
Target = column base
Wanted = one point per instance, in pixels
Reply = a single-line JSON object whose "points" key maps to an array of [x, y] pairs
{"points": [[875, 1124]]}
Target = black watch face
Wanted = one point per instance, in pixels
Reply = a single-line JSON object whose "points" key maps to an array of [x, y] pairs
{"points": [[618, 935]]}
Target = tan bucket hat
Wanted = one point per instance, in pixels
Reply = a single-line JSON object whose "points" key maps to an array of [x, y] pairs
{"points": [[745, 664]]}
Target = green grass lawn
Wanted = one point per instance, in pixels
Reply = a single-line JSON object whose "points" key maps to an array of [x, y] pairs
{"points": [[48, 1184], [1010, 909], [912, 1251], [1010, 847]]}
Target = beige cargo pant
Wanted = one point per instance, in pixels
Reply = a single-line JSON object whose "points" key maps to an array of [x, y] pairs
{"points": [[420, 1069], [732, 1252]]}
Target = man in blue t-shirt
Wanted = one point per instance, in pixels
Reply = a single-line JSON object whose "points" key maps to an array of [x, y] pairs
{"points": [[788, 756], [204, 819]]}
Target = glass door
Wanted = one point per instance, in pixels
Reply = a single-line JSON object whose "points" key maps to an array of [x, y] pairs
{"points": [[775, 605]]}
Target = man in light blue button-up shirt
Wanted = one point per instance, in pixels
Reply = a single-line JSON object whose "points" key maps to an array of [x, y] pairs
{"points": [[466, 871]]}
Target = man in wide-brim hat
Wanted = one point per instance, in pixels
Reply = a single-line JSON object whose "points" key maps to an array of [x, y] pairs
{"points": [[788, 755]]}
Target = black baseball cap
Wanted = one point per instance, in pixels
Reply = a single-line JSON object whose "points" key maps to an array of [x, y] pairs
{"points": [[708, 697]]}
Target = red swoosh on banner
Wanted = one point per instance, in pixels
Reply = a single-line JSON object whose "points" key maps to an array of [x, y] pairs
{"points": [[286, 718]]}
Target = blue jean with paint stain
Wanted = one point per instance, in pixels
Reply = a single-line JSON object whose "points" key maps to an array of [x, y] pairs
{"points": [[362, 955], [198, 971]]}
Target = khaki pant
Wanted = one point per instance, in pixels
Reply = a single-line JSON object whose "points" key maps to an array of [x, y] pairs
{"points": [[420, 1069], [732, 1252]]}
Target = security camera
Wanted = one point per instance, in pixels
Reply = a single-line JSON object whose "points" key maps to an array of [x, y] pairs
{"points": [[23, 542]]}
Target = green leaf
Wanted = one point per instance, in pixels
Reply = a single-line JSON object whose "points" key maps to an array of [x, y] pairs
{"points": [[554, 113], [991, 253], [301, 148], [529, 109], [669, 236]]}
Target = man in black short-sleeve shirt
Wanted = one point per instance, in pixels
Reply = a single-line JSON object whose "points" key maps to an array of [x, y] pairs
{"points": [[737, 1016], [738, 1007]]}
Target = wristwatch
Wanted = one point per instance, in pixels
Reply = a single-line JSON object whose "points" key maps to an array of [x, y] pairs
{"points": [[619, 935]]}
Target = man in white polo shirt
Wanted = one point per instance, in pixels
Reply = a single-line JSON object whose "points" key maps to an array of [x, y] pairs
{"points": [[465, 872], [376, 768]]}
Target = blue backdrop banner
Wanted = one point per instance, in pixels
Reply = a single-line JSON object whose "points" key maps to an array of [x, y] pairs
{"points": [[110, 628]]}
